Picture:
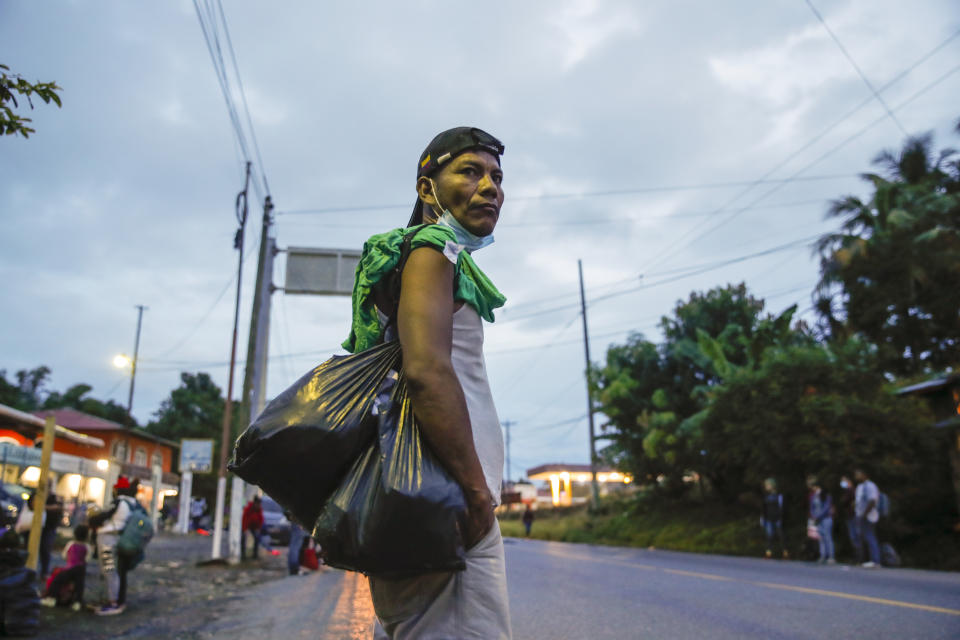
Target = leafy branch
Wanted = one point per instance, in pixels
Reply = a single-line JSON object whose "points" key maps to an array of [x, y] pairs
{"points": [[11, 85]]}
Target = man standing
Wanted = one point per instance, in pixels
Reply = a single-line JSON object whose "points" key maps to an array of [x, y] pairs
{"points": [[252, 522], [48, 534], [867, 497], [528, 519], [443, 298], [773, 518], [197, 507]]}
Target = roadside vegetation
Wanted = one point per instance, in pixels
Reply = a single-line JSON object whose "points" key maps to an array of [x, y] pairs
{"points": [[648, 522], [738, 392]]}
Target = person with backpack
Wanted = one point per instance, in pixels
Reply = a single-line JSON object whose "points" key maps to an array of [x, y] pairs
{"points": [[111, 527], [866, 501]]}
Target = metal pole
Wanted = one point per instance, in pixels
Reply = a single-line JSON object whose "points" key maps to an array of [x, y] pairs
{"points": [[506, 425], [254, 377], [586, 350], [133, 366], [225, 435], [183, 510], [40, 497]]}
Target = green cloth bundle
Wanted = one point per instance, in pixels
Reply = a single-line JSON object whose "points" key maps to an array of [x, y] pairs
{"points": [[381, 254]]}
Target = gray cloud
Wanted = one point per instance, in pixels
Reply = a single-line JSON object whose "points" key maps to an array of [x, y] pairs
{"points": [[125, 195]]}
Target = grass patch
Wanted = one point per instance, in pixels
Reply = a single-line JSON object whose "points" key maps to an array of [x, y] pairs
{"points": [[708, 528], [702, 528]]}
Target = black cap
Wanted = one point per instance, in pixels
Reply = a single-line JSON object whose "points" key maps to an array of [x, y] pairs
{"points": [[446, 146]]}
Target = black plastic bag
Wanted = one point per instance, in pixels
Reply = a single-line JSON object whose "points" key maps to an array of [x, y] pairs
{"points": [[396, 513], [306, 439]]}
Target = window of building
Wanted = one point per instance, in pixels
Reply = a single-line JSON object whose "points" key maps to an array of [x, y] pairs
{"points": [[140, 457], [119, 450], [156, 460]]}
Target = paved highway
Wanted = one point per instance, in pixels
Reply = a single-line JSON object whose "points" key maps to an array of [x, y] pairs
{"points": [[561, 591]]}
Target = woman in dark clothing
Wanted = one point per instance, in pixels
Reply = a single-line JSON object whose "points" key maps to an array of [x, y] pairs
{"points": [[773, 517], [846, 504]]}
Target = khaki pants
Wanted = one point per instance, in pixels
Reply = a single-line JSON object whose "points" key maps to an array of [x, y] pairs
{"points": [[461, 605]]}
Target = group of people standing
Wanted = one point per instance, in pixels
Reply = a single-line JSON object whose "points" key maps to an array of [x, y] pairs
{"points": [[858, 504]]}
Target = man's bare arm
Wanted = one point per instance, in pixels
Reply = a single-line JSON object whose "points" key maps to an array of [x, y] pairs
{"points": [[425, 326]]}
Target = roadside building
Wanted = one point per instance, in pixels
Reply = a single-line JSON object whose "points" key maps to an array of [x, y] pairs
{"points": [[942, 395], [569, 484], [80, 478], [134, 451], [89, 453]]}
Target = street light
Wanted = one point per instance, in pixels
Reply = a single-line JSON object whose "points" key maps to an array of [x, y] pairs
{"points": [[122, 361]]}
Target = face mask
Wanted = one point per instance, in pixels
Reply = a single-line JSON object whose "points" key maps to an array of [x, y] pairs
{"points": [[844, 484], [465, 238]]}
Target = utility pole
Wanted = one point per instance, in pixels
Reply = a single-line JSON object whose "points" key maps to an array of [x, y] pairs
{"points": [[225, 436], [40, 497], [586, 350], [255, 375], [506, 425], [133, 366]]}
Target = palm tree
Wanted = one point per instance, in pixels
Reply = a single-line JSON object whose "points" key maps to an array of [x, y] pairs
{"points": [[889, 272]]}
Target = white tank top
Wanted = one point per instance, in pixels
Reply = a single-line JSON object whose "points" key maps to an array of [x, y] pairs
{"points": [[467, 357]]}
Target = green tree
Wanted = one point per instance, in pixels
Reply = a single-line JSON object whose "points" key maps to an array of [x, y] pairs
{"points": [[26, 393], [12, 85], [653, 396], [824, 409], [75, 398], [889, 273], [194, 410]]}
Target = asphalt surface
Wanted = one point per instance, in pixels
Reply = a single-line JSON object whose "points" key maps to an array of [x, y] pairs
{"points": [[560, 590]]}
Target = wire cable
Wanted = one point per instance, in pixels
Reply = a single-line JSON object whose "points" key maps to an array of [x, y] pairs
{"points": [[856, 67], [670, 250], [685, 272], [243, 96], [560, 196], [736, 212]]}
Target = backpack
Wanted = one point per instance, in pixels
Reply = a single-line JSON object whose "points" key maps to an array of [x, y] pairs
{"points": [[883, 505], [136, 534]]}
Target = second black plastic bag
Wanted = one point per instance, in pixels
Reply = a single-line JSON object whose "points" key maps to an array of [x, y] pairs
{"points": [[303, 443], [396, 513]]}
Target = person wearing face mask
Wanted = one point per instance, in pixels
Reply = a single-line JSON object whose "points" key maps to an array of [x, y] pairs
{"points": [[846, 508], [438, 317]]}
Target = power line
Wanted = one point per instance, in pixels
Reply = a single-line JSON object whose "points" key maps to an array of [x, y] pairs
{"points": [[553, 425], [563, 196], [591, 221], [685, 272], [189, 334], [208, 18], [669, 250], [533, 361], [819, 159], [243, 96], [856, 67]]}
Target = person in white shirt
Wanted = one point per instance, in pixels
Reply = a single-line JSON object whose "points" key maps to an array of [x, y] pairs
{"points": [[866, 499], [113, 566]]}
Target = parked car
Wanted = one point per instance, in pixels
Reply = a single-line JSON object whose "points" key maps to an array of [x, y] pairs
{"points": [[12, 499], [275, 524]]}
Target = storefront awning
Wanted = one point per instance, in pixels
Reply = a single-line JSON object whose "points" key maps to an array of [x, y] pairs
{"points": [[34, 422]]}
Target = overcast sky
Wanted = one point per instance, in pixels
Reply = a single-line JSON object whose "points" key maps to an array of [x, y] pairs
{"points": [[125, 195]]}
